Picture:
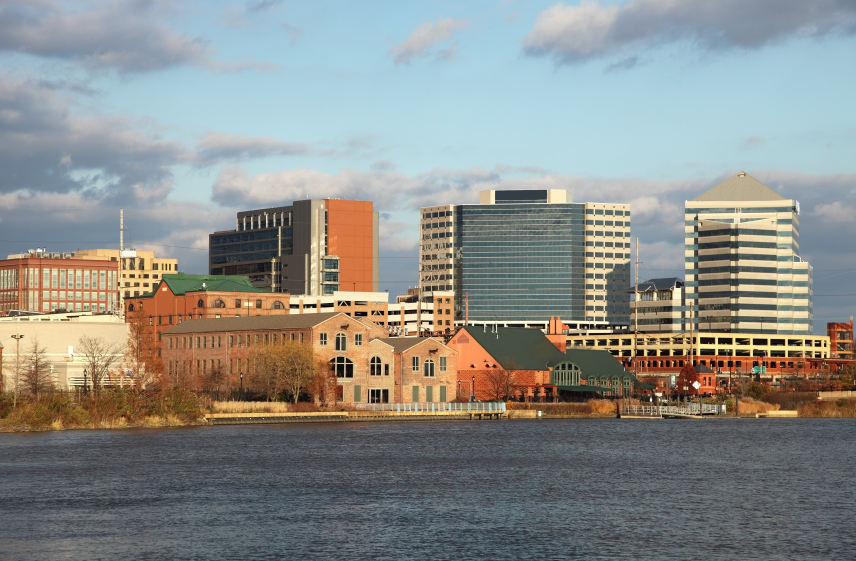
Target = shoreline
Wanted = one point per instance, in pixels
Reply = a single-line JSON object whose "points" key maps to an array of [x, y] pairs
{"points": [[346, 417]]}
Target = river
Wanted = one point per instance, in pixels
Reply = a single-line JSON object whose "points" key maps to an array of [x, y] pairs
{"points": [[546, 489]]}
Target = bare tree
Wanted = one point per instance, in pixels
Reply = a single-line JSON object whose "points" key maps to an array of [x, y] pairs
{"points": [[300, 368], [501, 382], [214, 380], [37, 376], [100, 357], [323, 387], [288, 367], [141, 353]]}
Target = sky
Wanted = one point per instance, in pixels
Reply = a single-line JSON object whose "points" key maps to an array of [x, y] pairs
{"points": [[183, 113]]}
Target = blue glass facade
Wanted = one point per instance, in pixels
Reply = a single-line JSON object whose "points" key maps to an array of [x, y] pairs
{"points": [[521, 262]]}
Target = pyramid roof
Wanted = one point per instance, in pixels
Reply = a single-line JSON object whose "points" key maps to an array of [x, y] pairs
{"points": [[740, 187]]}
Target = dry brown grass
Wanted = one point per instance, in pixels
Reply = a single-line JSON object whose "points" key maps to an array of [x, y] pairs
{"points": [[749, 406], [249, 407], [591, 407], [829, 409]]}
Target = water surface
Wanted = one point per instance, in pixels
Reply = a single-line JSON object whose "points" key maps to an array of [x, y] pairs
{"points": [[548, 489]]}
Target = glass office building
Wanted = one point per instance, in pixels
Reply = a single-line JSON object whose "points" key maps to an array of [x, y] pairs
{"points": [[744, 273], [520, 257]]}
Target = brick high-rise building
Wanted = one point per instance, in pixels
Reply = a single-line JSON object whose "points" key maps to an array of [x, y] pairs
{"points": [[38, 281], [841, 339], [312, 247]]}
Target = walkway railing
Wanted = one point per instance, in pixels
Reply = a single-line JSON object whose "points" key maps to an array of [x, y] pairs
{"points": [[660, 410], [486, 407]]}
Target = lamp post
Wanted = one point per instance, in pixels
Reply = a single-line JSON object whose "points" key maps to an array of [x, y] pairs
{"points": [[241, 392], [459, 389], [17, 339], [85, 384], [473, 390]]}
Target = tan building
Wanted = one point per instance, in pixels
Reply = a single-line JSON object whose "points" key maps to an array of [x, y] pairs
{"points": [[725, 353], [369, 367], [411, 314], [744, 273], [140, 269]]}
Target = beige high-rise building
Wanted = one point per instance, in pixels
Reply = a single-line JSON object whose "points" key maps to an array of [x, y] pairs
{"points": [[744, 273], [140, 270]]}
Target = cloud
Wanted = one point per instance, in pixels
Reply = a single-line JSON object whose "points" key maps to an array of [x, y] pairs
{"points": [[387, 189], [834, 212], [216, 147], [578, 33], [294, 33], [121, 35], [262, 5], [420, 43], [71, 221], [126, 36], [45, 149], [752, 142]]}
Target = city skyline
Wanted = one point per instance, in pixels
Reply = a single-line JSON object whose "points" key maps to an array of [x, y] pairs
{"points": [[173, 111]]}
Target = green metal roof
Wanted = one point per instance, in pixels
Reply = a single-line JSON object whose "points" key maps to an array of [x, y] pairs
{"points": [[517, 348], [182, 283], [599, 362]]}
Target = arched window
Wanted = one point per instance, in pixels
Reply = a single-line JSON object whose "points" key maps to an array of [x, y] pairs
{"points": [[565, 374], [200, 304], [277, 305], [130, 307], [341, 342], [429, 368], [376, 366], [219, 304], [343, 367]]}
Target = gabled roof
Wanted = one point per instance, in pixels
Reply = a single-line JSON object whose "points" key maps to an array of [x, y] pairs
{"points": [[402, 344], [740, 187], [599, 362], [516, 348], [254, 323], [182, 283]]}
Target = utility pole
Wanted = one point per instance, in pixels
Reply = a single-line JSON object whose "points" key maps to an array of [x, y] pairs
{"points": [[121, 252], [17, 339]]}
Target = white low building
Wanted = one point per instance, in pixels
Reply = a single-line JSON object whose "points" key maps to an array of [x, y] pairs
{"points": [[61, 340]]}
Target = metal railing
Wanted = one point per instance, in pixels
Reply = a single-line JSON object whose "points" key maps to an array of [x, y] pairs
{"points": [[478, 407], [660, 410]]}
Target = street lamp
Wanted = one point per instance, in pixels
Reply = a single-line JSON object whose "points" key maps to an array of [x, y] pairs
{"points": [[17, 339], [241, 392], [473, 390], [85, 373]]}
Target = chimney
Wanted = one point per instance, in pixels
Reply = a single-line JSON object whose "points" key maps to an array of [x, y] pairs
{"points": [[555, 335]]}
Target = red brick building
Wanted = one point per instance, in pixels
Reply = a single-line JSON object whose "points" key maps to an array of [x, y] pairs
{"points": [[841, 339], [368, 366], [44, 282], [538, 366], [180, 297]]}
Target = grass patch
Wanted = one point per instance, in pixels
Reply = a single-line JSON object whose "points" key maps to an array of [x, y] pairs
{"points": [[840, 408], [107, 409]]}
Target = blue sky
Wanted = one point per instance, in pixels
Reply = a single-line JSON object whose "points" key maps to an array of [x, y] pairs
{"points": [[184, 112]]}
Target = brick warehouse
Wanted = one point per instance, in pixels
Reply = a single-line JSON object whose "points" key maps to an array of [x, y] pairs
{"points": [[368, 366], [180, 297]]}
